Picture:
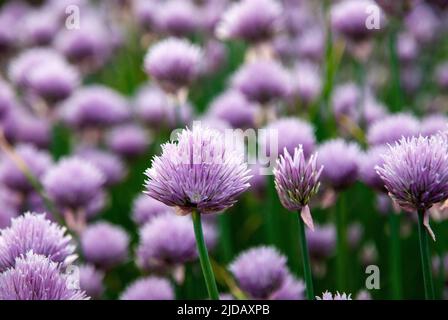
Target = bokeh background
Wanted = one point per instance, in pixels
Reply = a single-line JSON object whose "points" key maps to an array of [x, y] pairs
{"points": [[344, 79]]}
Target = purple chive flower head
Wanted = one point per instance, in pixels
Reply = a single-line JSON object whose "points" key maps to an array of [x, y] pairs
{"points": [[167, 241], [288, 133], [392, 128], [233, 108], [434, 124], [372, 111], [33, 232], [146, 208], [346, 101], [351, 18], [39, 27], [329, 296], [260, 271], [311, 44], [307, 83], [73, 183], [367, 167], [201, 171], [254, 21], [37, 163], [177, 18], [422, 22], [157, 110], [153, 106], [340, 160], [321, 242], [128, 140], [407, 48], [104, 245], [108, 163], [149, 288], [53, 81], [296, 179], [173, 63], [22, 66], [262, 81], [91, 280], [22, 127], [35, 277], [95, 106], [90, 45], [292, 289], [415, 172], [146, 13]]}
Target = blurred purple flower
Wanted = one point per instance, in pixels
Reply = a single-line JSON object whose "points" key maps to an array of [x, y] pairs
{"points": [[39, 27], [73, 183], [53, 81], [346, 101], [22, 66], [145, 208], [292, 289], [104, 245], [22, 127], [367, 167], [290, 133], [262, 81], [433, 124], [37, 163], [254, 21], [167, 241], [95, 106], [91, 281], [392, 128], [88, 46], [146, 13], [321, 242], [307, 83], [260, 271], [108, 163], [422, 22], [340, 160], [149, 288], [351, 18], [128, 140], [173, 63], [233, 108], [177, 18], [407, 48]]}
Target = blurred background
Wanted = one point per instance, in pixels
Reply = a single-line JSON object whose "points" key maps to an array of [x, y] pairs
{"points": [[73, 84]]}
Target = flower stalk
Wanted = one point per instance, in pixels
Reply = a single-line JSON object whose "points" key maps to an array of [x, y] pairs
{"points": [[425, 257], [204, 258]]}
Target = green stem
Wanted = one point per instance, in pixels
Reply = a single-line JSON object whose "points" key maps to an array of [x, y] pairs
{"points": [[341, 232], [306, 261], [269, 211], [203, 257], [395, 256], [425, 257], [225, 236]]}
